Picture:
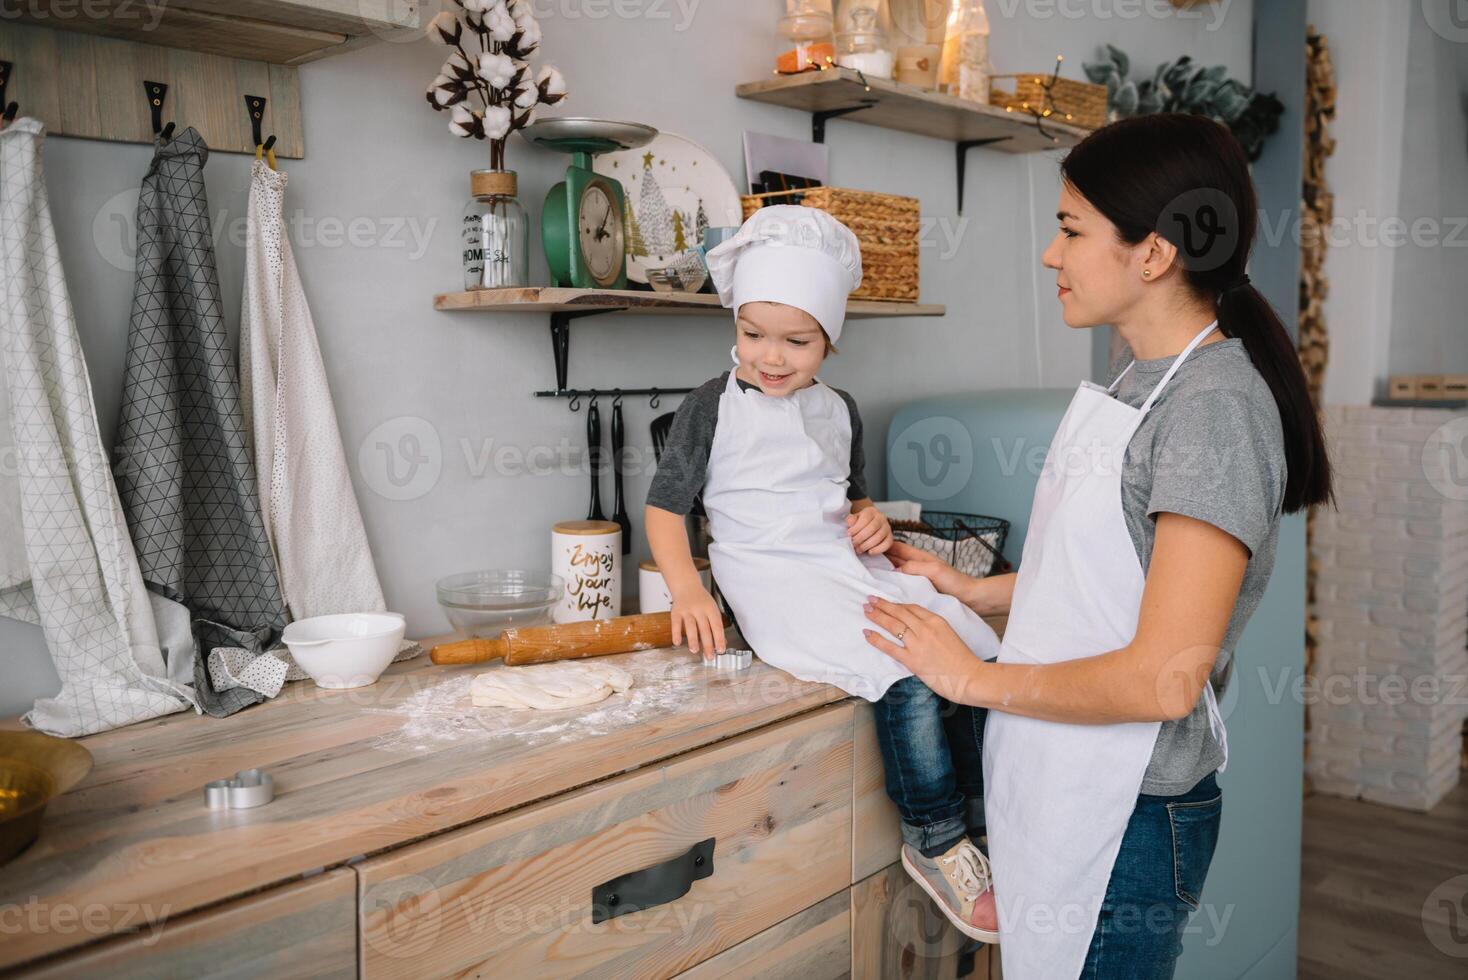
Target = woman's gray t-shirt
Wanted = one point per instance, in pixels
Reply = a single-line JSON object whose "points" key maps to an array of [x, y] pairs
{"points": [[1211, 448]]}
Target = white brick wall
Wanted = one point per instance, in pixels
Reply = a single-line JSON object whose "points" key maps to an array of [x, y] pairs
{"points": [[1390, 687]]}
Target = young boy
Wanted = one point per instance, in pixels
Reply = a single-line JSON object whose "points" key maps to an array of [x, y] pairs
{"points": [[798, 546]]}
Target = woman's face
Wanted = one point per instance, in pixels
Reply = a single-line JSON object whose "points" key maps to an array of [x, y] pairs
{"points": [[780, 347], [1098, 278]]}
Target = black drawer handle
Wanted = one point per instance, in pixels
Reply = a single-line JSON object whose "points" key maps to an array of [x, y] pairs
{"points": [[660, 883]]}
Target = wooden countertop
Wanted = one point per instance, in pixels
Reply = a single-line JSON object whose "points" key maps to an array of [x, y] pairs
{"points": [[355, 772]]}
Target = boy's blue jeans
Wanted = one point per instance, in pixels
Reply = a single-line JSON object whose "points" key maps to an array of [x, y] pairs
{"points": [[933, 753]]}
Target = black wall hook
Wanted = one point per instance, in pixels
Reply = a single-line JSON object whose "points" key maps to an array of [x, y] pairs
{"points": [[255, 106], [10, 108], [157, 93]]}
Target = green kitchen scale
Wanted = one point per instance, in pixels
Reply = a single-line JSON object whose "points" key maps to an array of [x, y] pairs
{"points": [[584, 221]]}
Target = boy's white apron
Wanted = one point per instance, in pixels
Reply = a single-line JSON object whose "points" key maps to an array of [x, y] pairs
{"points": [[777, 507], [1057, 797]]}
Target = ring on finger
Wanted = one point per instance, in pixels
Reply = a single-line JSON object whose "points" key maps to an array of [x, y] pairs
{"points": [[901, 634]]}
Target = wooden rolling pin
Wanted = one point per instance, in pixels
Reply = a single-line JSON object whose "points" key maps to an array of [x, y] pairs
{"points": [[563, 641]]}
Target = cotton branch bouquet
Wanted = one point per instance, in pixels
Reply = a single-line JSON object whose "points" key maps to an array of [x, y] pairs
{"points": [[492, 91]]}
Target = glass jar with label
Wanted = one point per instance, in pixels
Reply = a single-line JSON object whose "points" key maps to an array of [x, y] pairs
{"points": [[861, 44], [966, 71], [806, 28], [495, 233]]}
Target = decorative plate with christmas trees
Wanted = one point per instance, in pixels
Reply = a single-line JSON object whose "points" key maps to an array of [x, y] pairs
{"points": [[675, 189]]}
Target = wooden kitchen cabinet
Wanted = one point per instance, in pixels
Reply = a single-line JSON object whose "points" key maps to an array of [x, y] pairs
{"points": [[303, 929], [897, 932], [876, 832], [811, 945], [403, 843]]}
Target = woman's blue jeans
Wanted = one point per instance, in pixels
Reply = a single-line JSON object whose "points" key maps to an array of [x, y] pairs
{"points": [[1155, 885], [933, 753]]}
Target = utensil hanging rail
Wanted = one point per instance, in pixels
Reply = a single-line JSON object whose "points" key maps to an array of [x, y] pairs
{"points": [[654, 395]]}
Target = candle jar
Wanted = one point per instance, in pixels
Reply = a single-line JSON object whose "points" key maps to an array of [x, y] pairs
{"points": [[653, 594], [587, 556], [806, 27], [496, 234], [915, 29], [861, 44]]}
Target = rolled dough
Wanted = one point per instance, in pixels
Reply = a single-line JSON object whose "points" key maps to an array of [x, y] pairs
{"points": [[548, 687]]}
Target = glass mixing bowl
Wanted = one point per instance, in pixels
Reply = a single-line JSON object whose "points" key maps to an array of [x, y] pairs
{"points": [[485, 604]]}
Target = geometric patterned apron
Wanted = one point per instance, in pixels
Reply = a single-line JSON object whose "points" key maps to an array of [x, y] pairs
{"points": [[181, 457]]}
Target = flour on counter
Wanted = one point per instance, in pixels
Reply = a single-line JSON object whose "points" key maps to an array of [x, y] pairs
{"points": [[444, 713]]}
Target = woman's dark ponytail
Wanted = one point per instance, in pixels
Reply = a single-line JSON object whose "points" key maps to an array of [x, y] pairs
{"points": [[1186, 178], [1246, 314]]}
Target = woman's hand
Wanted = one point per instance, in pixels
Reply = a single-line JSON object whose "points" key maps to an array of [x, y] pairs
{"points": [[869, 530], [916, 561], [929, 648], [696, 615]]}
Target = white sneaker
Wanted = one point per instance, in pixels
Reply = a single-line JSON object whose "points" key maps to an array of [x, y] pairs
{"points": [[960, 881]]}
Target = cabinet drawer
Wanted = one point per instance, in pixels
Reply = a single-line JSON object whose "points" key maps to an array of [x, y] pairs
{"points": [[810, 945], [302, 929], [512, 896]]}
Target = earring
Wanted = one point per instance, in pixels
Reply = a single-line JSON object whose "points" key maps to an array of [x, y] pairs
{"points": [[1146, 273]]}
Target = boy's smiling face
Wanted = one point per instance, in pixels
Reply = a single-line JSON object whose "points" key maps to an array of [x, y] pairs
{"points": [[780, 347]]}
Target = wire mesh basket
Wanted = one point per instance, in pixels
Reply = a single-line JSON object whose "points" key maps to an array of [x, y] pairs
{"points": [[971, 543]]}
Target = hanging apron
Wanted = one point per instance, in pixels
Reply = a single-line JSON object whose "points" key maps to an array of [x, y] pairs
{"points": [[66, 562], [306, 499], [182, 465], [776, 501], [1058, 797]]}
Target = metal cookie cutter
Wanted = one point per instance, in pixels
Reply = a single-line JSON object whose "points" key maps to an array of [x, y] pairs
{"points": [[248, 788], [732, 659]]}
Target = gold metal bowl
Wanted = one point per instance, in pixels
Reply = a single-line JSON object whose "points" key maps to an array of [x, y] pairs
{"points": [[34, 770]]}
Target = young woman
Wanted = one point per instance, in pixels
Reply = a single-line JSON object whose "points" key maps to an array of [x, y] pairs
{"points": [[1150, 543]]}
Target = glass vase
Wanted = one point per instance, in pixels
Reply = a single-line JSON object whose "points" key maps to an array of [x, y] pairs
{"points": [[496, 233]]}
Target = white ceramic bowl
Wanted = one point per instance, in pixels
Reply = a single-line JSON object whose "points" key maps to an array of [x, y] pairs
{"points": [[346, 650]]}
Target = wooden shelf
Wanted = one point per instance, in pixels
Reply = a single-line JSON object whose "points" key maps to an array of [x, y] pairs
{"points": [[565, 305], [911, 110], [281, 32], [555, 299], [1451, 403]]}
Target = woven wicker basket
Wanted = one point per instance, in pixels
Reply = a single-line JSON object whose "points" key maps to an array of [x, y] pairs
{"points": [[886, 225], [1082, 102]]}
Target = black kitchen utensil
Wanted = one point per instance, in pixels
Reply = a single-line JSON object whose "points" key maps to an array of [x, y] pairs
{"points": [[661, 426], [619, 507], [593, 455]]}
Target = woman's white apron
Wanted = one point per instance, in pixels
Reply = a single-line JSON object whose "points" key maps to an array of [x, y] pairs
{"points": [[1058, 796]]}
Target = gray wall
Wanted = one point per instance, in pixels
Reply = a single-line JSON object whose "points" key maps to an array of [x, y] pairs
{"points": [[382, 166], [1429, 326]]}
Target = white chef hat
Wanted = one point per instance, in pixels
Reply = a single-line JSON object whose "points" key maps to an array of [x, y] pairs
{"points": [[789, 254]]}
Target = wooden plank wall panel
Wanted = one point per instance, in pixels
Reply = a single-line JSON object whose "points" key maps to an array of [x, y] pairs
{"points": [[92, 87]]}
